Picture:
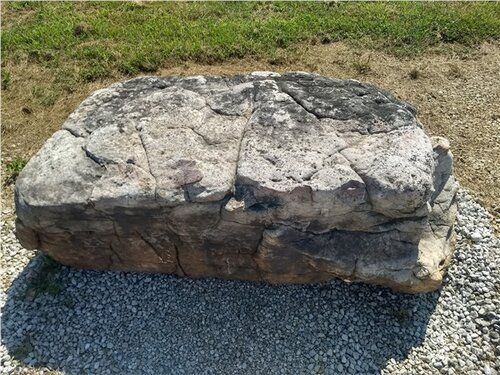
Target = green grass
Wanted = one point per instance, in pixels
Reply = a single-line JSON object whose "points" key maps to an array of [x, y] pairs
{"points": [[89, 41], [13, 168], [5, 79]]}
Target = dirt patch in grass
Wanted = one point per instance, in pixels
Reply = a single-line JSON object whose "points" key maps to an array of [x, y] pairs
{"points": [[457, 95]]}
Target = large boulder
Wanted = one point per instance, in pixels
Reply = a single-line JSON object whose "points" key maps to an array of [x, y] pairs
{"points": [[282, 178]]}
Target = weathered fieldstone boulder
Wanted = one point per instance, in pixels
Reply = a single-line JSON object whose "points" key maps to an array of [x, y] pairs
{"points": [[280, 178]]}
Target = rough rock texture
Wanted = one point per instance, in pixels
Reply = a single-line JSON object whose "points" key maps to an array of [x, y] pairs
{"points": [[281, 178]]}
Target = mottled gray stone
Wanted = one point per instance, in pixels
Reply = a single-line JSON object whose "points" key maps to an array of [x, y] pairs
{"points": [[282, 178]]}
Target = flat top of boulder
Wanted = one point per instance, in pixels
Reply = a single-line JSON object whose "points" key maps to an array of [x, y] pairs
{"points": [[340, 144]]}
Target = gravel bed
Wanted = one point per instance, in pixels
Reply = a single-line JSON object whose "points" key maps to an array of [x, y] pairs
{"points": [[57, 318]]}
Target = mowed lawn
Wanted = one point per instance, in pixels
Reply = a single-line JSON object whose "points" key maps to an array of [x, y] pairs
{"points": [[88, 41]]}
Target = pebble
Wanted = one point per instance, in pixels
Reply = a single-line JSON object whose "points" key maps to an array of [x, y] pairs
{"points": [[129, 323], [476, 236]]}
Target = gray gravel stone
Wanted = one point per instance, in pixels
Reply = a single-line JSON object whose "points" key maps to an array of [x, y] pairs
{"points": [[130, 323]]}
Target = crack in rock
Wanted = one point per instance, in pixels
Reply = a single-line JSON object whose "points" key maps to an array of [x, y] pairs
{"points": [[300, 102], [149, 163]]}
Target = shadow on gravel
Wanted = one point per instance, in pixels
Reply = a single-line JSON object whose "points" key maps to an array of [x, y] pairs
{"points": [[113, 322]]}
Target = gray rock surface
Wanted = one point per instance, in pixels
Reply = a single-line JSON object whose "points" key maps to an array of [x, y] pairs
{"points": [[280, 178]]}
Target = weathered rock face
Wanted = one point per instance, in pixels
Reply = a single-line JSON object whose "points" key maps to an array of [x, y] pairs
{"points": [[281, 178]]}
